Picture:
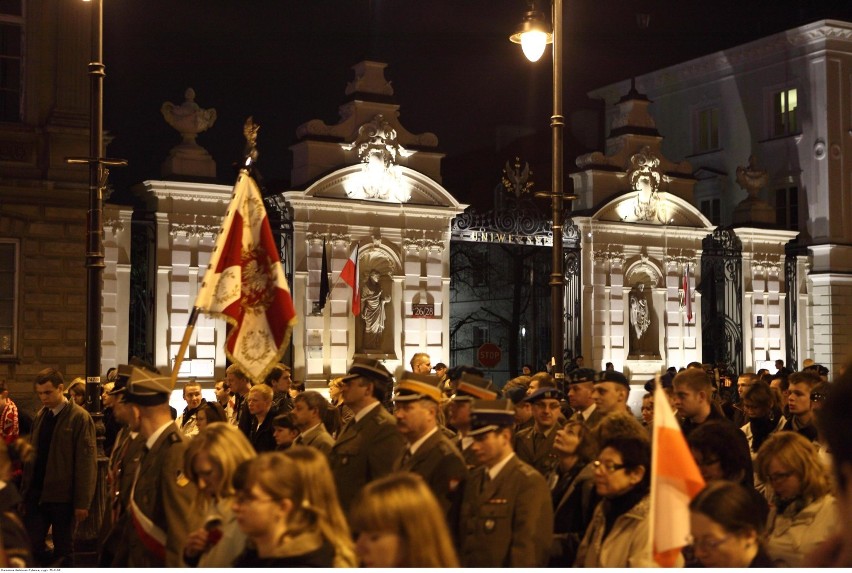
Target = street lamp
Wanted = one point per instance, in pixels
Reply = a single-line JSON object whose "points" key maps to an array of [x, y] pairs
{"points": [[94, 219], [533, 37]]}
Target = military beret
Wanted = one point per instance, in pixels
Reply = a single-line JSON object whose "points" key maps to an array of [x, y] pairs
{"points": [[490, 415], [372, 369], [413, 387], [473, 387], [516, 394], [581, 375], [147, 387], [544, 394], [613, 376]]}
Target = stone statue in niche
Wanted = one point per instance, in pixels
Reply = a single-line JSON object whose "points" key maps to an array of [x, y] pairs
{"points": [[373, 301], [639, 316], [644, 340]]}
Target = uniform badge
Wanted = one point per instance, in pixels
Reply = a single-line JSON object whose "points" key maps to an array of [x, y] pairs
{"points": [[489, 525], [182, 480], [454, 484]]}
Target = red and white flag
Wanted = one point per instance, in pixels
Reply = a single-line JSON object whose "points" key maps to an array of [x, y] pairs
{"points": [[675, 480], [349, 275], [245, 285], [686, 294]]}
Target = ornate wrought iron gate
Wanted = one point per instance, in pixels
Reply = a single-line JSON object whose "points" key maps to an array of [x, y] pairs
{"points": [[721, 299]]}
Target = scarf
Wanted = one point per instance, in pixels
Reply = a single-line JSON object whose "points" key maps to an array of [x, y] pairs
{"points": [[618, 506]]}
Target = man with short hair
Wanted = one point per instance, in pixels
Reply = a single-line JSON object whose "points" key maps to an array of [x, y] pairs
{"points": [[781, 370], [59, 480], [429, 453], [523, 409], [506, 513], [161, 496], [693, 395], [259, 404], [611, 392], [369, 444], [187, 420], [745, 381], [239, 383], [223, 396], [540, 380], [535, 445], [799, 404], [279, 379], [421, 363], [581, 397], [308, 413]]}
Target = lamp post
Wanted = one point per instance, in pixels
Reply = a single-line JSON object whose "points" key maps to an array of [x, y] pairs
{"points": [[533, 37], [94, 218], [87, 533]]}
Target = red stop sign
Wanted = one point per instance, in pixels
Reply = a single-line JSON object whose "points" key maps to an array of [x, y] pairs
{"points": [[489, 355]]}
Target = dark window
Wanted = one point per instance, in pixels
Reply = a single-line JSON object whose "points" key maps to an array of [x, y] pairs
{"points": [[11, 59], [708, 130], [710, 208], [8, 297], [787, 208]]}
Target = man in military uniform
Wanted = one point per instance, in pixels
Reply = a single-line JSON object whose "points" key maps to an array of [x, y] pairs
{"points": [[470, 387], [121, 472], [161, 495], [581, 397], [506, 515], [429, 452], [535, 445], [612, 389], [369, 444]]}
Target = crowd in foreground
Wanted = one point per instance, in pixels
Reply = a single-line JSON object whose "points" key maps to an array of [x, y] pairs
{"points": [[431, 470]]}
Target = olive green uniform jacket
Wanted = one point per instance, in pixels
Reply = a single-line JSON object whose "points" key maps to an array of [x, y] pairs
{"points": [[365, 450], [507, 521], [164, 495]]}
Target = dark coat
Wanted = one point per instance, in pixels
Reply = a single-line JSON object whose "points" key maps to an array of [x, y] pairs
{"points": [[71, 460], [365, 450], [509, 521]]}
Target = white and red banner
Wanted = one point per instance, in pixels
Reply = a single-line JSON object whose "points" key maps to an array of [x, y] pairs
{"points": [[349, 275], [675, 480], [245, 285]]}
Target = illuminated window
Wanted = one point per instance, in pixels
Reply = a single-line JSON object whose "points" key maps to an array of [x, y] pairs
{"points": [[707, 132], [787, 208], [786, 112], [8, 297], [11, 59]]}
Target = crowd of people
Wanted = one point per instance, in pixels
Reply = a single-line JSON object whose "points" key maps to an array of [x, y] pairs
{"points": [[440, 468]]}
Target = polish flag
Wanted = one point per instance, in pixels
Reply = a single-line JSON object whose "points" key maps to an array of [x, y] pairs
{"points": [[349, 274], [675, 480]]}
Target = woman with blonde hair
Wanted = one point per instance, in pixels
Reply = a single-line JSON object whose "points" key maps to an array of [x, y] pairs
{"points": [[803, 513], [321, 493], [273, 510], [210, 461], [398, 523]]}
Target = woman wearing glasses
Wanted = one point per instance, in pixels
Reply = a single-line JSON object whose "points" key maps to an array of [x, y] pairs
{"points": [[283, 527], [803, 512], [727, 521], [618, 535]]}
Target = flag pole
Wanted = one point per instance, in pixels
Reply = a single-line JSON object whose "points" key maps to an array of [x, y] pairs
{"points": [[250, 132]]}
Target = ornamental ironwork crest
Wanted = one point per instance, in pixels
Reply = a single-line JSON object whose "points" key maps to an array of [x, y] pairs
{"points": [[516, 179]]}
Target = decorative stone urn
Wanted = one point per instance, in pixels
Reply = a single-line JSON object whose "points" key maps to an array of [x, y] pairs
{"points": [[188, 159]]}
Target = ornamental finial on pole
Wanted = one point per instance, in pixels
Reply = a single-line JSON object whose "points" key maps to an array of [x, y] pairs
{"points": [[250, 129]]}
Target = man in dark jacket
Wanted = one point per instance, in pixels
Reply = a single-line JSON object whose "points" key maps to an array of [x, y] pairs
{"points": [[59, 482]]}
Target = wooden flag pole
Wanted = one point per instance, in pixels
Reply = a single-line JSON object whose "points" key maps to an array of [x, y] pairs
{"points": [[187, 334]]}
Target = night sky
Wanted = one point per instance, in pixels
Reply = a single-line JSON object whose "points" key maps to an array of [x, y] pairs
{"points": [[453, 69]]}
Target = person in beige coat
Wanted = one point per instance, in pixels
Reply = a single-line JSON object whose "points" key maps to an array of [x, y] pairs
{"points": [[803, 513], [622, 478]]}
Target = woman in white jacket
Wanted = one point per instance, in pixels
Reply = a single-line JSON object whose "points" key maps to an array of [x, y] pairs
{"points": [[803, 512]]}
